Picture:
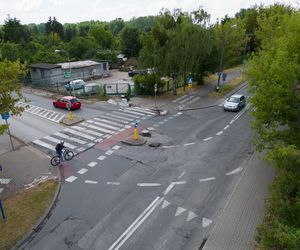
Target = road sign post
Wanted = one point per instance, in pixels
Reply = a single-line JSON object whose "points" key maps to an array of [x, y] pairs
{"points": [[155, 90], [5, 117], [2, 211]]}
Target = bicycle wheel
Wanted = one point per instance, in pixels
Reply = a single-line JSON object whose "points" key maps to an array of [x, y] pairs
{"points": [[68, 155], [55, 160]]}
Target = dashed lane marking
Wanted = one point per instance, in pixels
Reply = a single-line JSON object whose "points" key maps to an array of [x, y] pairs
{"points": [[91, 182], [207, 139], [92, 164], [71, 178], [235, 171], [82, 171], [207, 179], [148, 184], [101, 157]]}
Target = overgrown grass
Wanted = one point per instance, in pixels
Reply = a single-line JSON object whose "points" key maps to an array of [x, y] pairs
{"points": [[228, 87], [23, 211]]}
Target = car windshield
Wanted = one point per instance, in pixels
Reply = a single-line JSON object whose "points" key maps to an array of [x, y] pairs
{"points": [[74, 100], [234, 99]]}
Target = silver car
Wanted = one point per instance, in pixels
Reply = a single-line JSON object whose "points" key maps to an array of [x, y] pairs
{"points": [[235, 103]]}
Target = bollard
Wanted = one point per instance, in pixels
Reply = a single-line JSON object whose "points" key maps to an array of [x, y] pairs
{"points": [[135, 134], [71, 116]]}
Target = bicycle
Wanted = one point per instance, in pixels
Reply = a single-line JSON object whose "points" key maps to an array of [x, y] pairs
{"points": [[66, 154]]}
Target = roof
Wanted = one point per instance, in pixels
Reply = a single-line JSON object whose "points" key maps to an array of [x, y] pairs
{"points": [[68, 97], [78, 64], [44, 66], [236, 95]]}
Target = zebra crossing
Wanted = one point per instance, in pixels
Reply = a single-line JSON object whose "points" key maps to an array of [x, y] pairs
{"points": [[186, 100], [42, 112], [86, 134]]}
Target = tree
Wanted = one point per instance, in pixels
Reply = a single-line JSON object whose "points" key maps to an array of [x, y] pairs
{"points": [[79, 47], [70, 32], [116, 26], [102, 36], [14, 31], [130, 41], [53, 26], [9, 84], [9, 51]]}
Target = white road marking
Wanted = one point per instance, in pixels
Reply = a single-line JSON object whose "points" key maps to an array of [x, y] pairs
{"points": [[169, 188], [100, 127], [79, 134], [44, 144], [188, 144], [179, 211], [4, 181], [71, 178], [82, 171], [91, 182], [194, 100], [207, 179], [113, 183], [171, 118], [186, 99], [219, 133], [1, 190], [171, 146], [126, 115], [165, 204], [92, 164], [118, 118], [191, 216], [107, 126], [161, 122], [207, 139], [165, 120], [101, 157], [87, 131], [109, 122], [134, 226], [232, 121], [145, 111], [133, 112], [239, 169], [178, 182], [116, 147], [179, 113], [181, 175], [206, 222], [150, 128], [180, 98], [226, 127], [61, 135], [109, 152], [148, 184], [69, 145], [155, 125], [81, 149]]}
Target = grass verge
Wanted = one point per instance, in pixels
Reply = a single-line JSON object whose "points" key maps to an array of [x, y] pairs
{"points": [[23, 211], [228, 87]]}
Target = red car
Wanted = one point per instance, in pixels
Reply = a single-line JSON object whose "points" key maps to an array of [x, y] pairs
{"points": [[65, 101]]}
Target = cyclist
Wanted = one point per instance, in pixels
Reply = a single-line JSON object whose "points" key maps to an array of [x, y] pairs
{"points": [[59, 147]]}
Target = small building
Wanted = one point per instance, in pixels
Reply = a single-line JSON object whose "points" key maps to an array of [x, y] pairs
{"points": [[60, 73]]}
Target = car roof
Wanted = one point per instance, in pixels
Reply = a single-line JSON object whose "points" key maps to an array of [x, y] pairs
{"points": [[68, 97], [78, 80], [91, 84], [236, 95]]}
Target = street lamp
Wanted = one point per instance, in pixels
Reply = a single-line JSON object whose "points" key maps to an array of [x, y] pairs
{"points": [[222, 55]]}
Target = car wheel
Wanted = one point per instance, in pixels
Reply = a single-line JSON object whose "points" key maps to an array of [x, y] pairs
{"points": [[54, 105]]}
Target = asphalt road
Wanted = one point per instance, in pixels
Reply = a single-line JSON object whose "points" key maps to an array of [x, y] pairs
{"points": [[151, 198]]}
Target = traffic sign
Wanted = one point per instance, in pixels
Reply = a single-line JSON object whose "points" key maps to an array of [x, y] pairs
{"points": [[155, 87], [67, 74], [5, 116]]}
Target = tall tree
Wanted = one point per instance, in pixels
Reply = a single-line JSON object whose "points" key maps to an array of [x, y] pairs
{"points": [[14, 31], [53, 26], [116, 26], [10, 88], [130, 41], [102, 36]]}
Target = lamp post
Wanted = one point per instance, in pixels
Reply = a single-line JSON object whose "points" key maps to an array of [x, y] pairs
{"points": [[61, 50], [222, 55]]}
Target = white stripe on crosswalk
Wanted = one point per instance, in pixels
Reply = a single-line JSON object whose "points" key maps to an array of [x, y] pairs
{"points": [[186, 99], [44, 144], [143, 111], [109, 122], [69, 145], [133, 112], [61, 135], [79, 134], [104, 125], [36, 110], [88, 131], [194, 100], [180, 98], [116, 119], [98, 128], [119, 116], [126, 114]]}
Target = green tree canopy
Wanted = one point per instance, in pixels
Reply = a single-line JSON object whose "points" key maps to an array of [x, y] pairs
{"points": [[130, 41]]}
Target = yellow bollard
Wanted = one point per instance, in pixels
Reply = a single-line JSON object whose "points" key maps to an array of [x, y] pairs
{"points": [[135, 134], [71, 116], [190, 85]]}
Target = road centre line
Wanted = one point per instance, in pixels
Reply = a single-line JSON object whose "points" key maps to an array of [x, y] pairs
{"points": [[91, 182], [226, 127], [82, 171], [171, 146], [181, 175], [169, 188], [207, 139], [101, 157], [113, 183], [134, 226], [92, 164], [219, 133], [148, 184], [188, 144], [207, 179], [232, 121]]}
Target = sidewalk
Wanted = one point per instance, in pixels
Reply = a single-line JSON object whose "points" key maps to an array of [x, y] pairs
{"points": [[21, 168], [235, 228]]}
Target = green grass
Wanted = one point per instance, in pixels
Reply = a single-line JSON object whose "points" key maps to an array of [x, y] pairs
{"points": [[23, 211], [228, 87]]}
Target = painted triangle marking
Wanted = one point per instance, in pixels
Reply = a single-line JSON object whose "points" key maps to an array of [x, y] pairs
{"points": [[165, 204], [179, 211], [191, 216], [206, 222]]}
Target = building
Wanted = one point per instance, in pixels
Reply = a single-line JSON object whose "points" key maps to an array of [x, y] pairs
{"points": [[60, 73]]}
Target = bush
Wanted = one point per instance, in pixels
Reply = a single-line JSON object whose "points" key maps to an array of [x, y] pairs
{"points": [[144, 84]]}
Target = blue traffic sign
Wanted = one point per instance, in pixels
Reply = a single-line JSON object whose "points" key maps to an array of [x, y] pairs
{"points": [[5, 116]]}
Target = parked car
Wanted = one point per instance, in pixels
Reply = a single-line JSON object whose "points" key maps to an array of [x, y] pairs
{"points": [[75, 84], [64, 101], [91, 89], [134, 72], [235, 103]]}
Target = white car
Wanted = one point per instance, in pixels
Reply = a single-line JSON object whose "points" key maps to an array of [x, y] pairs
{"points": [[235, 103]]}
